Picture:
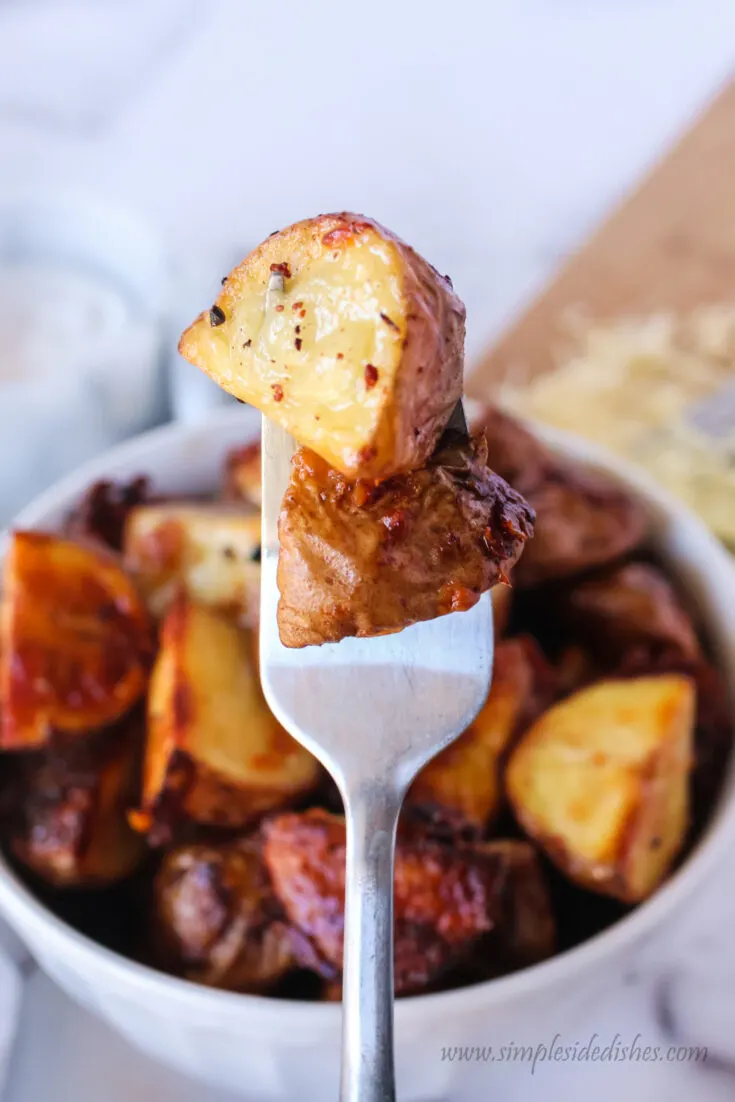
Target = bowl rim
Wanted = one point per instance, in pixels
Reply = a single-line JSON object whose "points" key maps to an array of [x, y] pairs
{"points": [[25, 912]]}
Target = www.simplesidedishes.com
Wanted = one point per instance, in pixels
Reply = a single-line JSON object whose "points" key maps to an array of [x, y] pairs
{"points": [[592, 1051]]}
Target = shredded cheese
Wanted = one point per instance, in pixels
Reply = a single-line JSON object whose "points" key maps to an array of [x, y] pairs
{"points": [[631, 386]]}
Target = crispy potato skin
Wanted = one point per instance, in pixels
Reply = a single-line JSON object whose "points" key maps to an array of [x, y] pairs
{"points": [[214, 754], [70, 824], [216, 920], [630, 612], [582, 518], [242, 475], [446, 900], [601, 780], [210, 551], [75, 640], [364, 559], [461, 785], [387, 354]]}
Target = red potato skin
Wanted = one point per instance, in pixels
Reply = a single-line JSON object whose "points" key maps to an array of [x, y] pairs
{"points": [[360, 559]]}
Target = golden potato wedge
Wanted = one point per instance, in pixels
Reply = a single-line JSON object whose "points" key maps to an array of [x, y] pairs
{"points": [[364, 559], [461, 785], [359, 356], [210, 551], [242, 475], [73, 829], [215, 918], [215, 754], [75, 640], [600, 781]]}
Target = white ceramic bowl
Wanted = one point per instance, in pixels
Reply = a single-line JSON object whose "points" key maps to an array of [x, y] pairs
{"points": [[274, 1050]]}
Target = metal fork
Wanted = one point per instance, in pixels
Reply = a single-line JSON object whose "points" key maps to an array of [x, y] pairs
{"points": [[373, 711]]}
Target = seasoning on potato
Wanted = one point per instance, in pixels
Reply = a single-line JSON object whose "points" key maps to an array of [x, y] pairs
{"points": [[358, 351], [75, 640], [601, 781]]}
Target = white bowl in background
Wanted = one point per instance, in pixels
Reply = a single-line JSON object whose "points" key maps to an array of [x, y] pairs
{"points": [[278, 1051]]}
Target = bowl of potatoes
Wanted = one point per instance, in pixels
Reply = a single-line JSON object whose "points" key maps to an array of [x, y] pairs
{"points": [[176, 862]]}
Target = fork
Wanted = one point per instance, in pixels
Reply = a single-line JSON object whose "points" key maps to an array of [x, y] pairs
{"points": [[373, 711]]}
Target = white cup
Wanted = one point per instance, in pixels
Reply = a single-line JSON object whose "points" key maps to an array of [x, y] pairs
{"points": [[104, 387]]}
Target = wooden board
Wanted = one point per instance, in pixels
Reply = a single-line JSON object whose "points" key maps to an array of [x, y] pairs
{"points": [[671, 245]]}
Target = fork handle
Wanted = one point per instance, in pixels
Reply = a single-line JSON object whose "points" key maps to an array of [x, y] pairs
{"points": [[368, 1070]]}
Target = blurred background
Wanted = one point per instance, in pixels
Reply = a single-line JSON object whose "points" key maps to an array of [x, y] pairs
{"points": [[146, 145]]}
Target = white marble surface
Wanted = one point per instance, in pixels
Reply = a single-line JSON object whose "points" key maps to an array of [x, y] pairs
{"points": [[493, 135]]}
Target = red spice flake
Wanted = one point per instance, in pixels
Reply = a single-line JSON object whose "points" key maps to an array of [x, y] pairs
{"points": [[340, 356], [298, 306], [279, 309], [390, 322], [456, 598], [341, 234], [277, 392], [283, 268], [302, 313], [298, 342], [371, 376], [298, 328], [367, 454]]}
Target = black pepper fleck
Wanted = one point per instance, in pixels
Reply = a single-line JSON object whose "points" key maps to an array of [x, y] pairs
{"points": [[389, 321], [298, 342], [216, 316], [256, 554]]}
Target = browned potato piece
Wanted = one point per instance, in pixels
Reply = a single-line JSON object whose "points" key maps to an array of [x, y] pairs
{"points": [[600, 781], [72, 826], [101, 513], [242, 480], [75, 640], [215, 754], [583, 519], [365, 559], [210, 551], [446, 900], [216, 920], [502, 598], [462, 784], [631, 607], [359, 356]]}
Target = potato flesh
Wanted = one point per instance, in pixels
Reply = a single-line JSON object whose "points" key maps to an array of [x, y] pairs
{"points": [[206, 706], [358, 355], [463, 781], [212, 552], [600, 780]]}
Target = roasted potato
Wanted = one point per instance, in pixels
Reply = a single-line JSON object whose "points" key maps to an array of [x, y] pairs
{"points": [[75, 640], [461, 785], [71, 823], [629, 613], [216, 920], [359, 559], [583, 519], [446, 901], [214, 754], [600, 781], [103, 510], [359, 355], [242, 476], [210, 551], [502, 598]]}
